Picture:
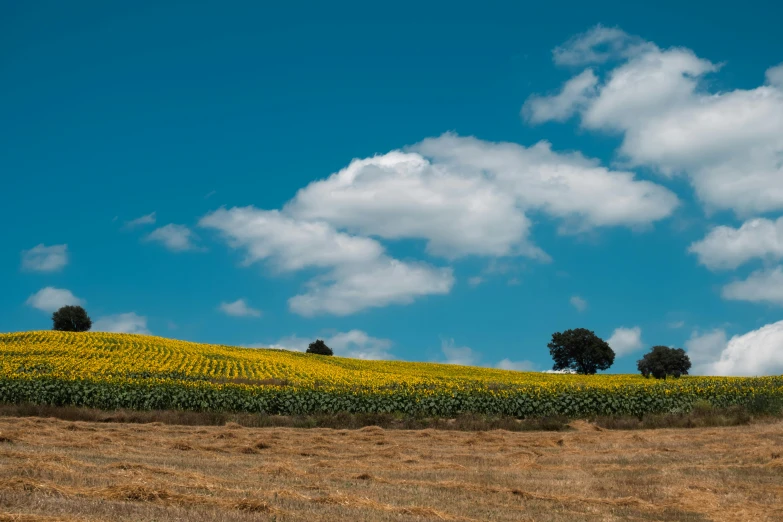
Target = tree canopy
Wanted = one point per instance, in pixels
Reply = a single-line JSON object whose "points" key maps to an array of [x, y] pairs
{"points": [[319, 347], [581, 350], [71, 318], [663, 361]]}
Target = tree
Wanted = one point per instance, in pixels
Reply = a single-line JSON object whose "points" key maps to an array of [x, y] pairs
{"points": [[319, 347], [663, 361], [71, 319], [581, 350]]}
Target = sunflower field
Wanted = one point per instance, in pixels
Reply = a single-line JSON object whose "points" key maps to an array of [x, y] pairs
{"points": [[111, 371]]}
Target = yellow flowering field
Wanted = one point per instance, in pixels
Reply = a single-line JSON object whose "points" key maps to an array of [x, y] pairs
{"points": [[107, 370]]}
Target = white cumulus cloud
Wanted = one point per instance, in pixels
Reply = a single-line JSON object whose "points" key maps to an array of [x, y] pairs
{"points": [[387, 281], [42, 258], [239, 308], [727, 248], [729, 144], [625, 340], [562, 185], [122, 323], [757, 352], [760, 286], [359, 274], [50, 299], [404, 195]]}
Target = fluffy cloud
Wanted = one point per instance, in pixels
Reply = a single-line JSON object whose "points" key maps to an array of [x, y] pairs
{"points": [[760, 286], [466, 196], [177, 238], [239, 308], [730, 144], [355, 344], [754, 353], [727, 248], [42, 258], [347, 290], [122, 323], [403, 195], [290, 244], [562, 185], [51, 299], [704, 348], [625, 340], [359, 274], [147, 219], [461, 195], [578, 303], [462, 355]]}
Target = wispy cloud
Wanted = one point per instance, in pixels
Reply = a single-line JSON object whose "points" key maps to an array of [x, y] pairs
{"points": [[148, 219], [475, 281], [42, 258], [177, 238], [462, 355], [518, 366], [355, 344], [239, 308], [358, 273], [578, 303]]}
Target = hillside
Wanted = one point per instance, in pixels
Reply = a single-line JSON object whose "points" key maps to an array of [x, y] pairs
{"points": [[137, 371]]}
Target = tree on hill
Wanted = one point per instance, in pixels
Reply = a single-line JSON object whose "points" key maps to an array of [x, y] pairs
{"points": [[319, 347], [581, 350], [71, 319], [663, 361]]}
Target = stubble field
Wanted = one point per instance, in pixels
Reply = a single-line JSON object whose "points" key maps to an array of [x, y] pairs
{"points": [[53, 469]]}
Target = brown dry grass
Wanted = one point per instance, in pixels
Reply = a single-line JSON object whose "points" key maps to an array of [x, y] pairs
{"points": [[54, 469]]}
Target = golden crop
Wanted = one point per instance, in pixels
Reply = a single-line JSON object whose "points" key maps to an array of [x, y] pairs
{"points": [[196, 375]]}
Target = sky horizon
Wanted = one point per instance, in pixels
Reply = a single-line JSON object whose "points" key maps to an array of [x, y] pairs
{"points": [[419, 183]]}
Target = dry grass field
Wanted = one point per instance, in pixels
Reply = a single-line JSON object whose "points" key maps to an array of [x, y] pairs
{"points": [[54, 469]]}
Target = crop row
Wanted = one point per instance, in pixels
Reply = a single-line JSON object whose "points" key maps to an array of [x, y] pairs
{"points": [[531, 401]]}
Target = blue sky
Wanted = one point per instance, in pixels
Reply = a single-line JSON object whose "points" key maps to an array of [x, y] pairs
{"points": [[440, 182]]}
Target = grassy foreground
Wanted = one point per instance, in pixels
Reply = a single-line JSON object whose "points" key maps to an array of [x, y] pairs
{"points": [[113, 371]]}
